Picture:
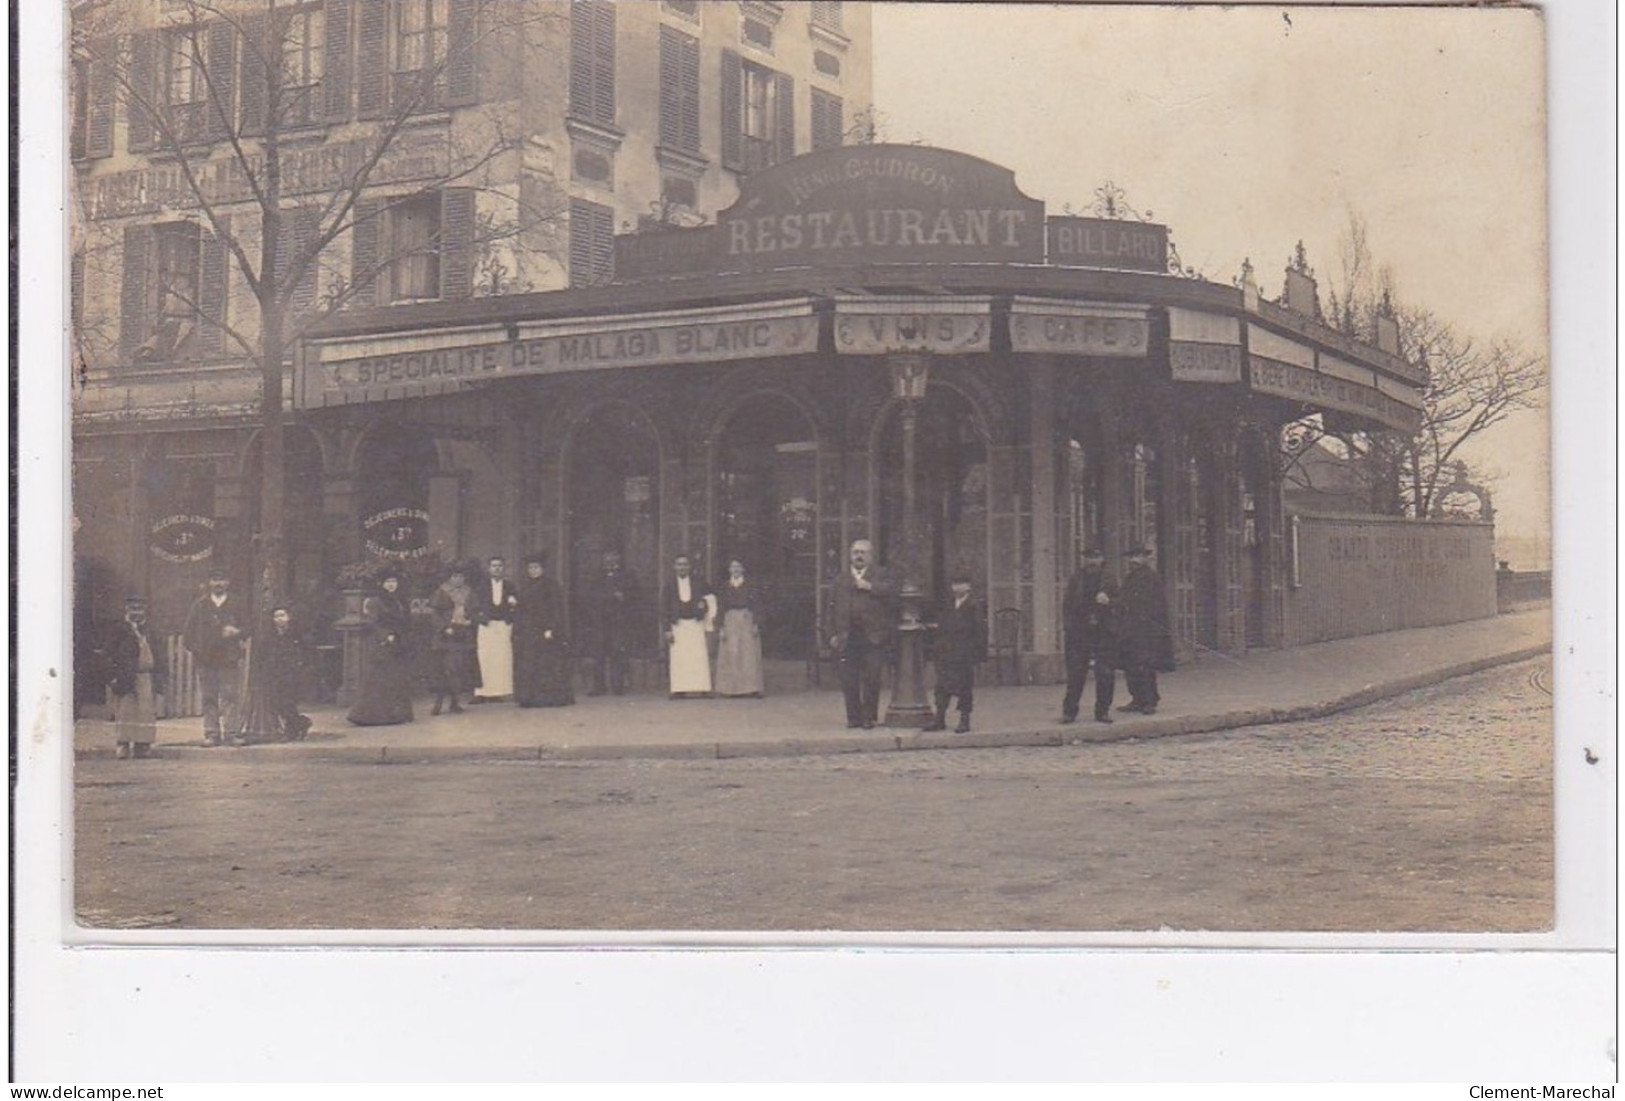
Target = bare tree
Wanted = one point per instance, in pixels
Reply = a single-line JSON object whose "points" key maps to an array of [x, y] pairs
{"points": [[237, 156], [1472, 386]]}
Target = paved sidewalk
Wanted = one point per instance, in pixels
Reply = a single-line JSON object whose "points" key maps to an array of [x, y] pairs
{"points": [[1215, 693]]}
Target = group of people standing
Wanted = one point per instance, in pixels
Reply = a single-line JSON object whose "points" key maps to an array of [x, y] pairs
{"points": [[498, 639], [494, 640], [693, 615], [1110, 627]]}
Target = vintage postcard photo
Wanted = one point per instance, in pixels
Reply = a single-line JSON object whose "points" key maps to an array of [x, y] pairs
{"points": [[802, 473]]}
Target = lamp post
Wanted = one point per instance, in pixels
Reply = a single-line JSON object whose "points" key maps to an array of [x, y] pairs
{"points": [[910, 374]]}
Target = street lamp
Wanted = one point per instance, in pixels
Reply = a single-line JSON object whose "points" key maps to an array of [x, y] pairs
{"points": [[910, 374]]}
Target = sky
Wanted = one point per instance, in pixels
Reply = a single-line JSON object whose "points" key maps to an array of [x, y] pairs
{"points": [[1248, 129]]}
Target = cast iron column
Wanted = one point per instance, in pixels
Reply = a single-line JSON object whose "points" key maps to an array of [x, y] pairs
{"points": [[908, 707]]}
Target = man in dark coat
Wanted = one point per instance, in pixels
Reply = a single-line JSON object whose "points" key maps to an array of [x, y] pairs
{"points": [[862, 625], [214, 633], [1088, 612], [1145, 644], [960, 645], [284, 673], [610, 611]]}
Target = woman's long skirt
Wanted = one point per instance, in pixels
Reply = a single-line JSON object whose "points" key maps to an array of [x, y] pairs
{"points": [[690, 658], [739, 655], [541, 672], [135, 716], [386, 689]]}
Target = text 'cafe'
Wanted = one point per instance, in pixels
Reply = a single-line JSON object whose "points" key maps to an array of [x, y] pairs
{"points": [[737, 392]]}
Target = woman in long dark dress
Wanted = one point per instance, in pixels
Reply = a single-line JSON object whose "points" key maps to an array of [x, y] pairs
{"points": [[541, 658], [386, 677]]}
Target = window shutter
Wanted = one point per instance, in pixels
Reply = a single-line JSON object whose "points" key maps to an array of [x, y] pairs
{"points": [[456, 242], [306, 222], [679, 90], [222, 90], [828, 127], [365, 237], [592, 243], [670, 97], [603, 90], [102, 89], [143, 90], [462, 67], [336, 60], [372, 61], [784, 133], [258, 45], [135, 311], [212, 293], [689, 83], [733, 118], [592, 61], [298, 230], [581, 60]]}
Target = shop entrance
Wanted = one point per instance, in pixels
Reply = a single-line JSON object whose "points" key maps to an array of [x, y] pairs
{"points": [[951, 456], [767, 513], [613, 475]]}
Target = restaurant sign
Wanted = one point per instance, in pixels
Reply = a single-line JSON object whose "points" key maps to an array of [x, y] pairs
{"points": [[865, 204], [385, 367]]}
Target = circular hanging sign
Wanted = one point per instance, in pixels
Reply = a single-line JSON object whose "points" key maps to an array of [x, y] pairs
{"points": [[397, 533], [183, 538]]}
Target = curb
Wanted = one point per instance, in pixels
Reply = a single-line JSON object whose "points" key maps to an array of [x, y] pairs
{"points": [[880, 742]]}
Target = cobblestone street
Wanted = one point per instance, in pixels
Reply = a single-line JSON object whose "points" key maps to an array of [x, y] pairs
{"points": [[1430, 811]]}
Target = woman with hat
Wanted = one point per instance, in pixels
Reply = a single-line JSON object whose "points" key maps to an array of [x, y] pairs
{"points": [[386, 669], [136, 681], [541, 663]]}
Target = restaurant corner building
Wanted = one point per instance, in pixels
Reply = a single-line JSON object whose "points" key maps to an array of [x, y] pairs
{"points": [[740, 389]]}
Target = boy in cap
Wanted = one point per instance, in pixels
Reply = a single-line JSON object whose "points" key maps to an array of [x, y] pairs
{"points": [[961, 643], [284, 673]]}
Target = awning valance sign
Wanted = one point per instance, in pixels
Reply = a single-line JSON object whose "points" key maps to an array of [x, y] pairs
{"points": [[1079, 329], [1327, 382], [876, 325], [386, 367]]}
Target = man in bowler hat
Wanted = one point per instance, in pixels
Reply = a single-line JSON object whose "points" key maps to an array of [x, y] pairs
{"points": [[1089, 614], [215, 630], [1145, 644], [861, 632]]}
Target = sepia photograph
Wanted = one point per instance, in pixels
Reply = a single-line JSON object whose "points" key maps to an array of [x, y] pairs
{"points": [[797, 474]]}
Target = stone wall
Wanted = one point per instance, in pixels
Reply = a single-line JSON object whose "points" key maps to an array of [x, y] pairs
{"points": [[1360, 575]]}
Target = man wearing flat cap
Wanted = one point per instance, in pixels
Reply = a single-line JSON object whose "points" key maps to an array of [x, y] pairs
{"points": [[215, 630], [1145, 644]]}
